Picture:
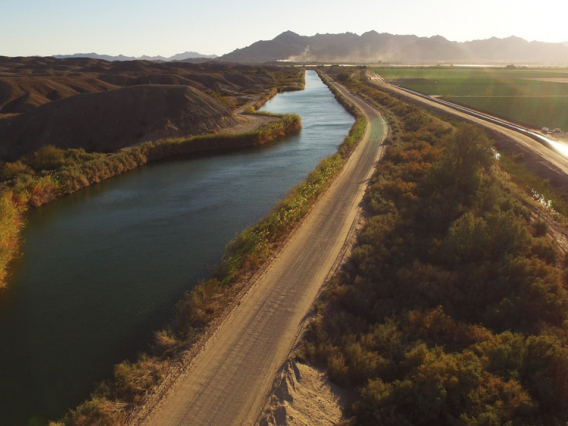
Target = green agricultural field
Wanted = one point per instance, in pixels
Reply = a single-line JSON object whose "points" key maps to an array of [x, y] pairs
{"points": [[535, 97]]}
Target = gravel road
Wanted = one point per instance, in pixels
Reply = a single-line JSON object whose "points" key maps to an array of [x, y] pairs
{"points": [[229, 380]]}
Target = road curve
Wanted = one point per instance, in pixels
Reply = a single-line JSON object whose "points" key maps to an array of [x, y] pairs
{"points": [[556, 161], [229, 380]]}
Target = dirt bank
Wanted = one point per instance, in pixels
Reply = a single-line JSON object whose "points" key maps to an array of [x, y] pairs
{"points": [[108, 121], [229, 380], [303, 396]]}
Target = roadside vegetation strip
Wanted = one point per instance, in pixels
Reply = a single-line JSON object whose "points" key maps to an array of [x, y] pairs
{"points": [[454, 309], [113, 401], [537, 112], [514, 94], [533, 185], [51, 172], [530, 178]]}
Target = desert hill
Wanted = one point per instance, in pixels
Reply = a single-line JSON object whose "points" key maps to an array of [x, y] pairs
{"points": [[22, 94], [26, 83], [111, 120], [103, 106], [383, 47]]}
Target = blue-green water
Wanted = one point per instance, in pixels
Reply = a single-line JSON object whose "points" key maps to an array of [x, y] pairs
{"points": [[102, 269]]}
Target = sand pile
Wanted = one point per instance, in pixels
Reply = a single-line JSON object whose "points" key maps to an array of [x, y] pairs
{"points": [[304, 397]]}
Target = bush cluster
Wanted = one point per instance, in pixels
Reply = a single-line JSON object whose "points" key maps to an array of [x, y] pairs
{"points": [[453, 310]]}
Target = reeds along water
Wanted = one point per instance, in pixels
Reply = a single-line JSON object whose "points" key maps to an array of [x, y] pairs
{"points": [[102, 268]]}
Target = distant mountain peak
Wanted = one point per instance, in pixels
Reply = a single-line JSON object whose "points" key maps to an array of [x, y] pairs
{"points": [[288, 35], [438, 38], [515, 38]]}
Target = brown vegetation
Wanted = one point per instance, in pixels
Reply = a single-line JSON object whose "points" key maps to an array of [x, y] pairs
{"points": [[111, 403], [453, 310]]}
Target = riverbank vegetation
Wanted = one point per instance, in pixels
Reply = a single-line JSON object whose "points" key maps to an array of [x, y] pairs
{"points": [[453, 308], [114, 401], [51, 172], [288, 80]]}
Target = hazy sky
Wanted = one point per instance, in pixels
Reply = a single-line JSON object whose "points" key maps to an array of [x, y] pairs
{"points": [[167, 27]]}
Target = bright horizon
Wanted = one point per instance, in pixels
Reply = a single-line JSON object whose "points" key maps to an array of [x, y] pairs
{"points": [[169, 27]]}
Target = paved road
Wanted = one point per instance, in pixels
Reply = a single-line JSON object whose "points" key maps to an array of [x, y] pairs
{"points": [[557, 161], [229, 380]]}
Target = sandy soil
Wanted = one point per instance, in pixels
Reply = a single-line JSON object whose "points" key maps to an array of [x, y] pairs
{"points": [[247, 123], [228, 381], [304, 396], [27, 83], [108, 121]]}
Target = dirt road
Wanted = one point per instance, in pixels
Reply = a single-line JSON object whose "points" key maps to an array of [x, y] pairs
{"points": [[557, 162], [229, 380], [247, 123]]}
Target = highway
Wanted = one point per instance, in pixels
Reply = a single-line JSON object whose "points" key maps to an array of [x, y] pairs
{"points": [[553, 153]]}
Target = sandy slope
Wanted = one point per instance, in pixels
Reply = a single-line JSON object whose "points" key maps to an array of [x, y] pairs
{"points": [[305, 396], [108, 121], [229, 380]]}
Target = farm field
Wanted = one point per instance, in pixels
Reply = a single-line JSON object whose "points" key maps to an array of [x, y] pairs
{"points": [[534, 97]]}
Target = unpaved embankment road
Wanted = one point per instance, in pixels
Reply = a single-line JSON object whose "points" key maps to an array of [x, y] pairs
{"points": [[229, 380], [555, 161]]}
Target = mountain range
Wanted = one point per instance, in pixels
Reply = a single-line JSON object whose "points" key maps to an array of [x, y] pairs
{"points": [[179, 57], [384, 47], [374, 47]]}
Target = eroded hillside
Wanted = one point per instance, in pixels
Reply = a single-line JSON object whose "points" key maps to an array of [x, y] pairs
{"points": [[104, 106]]}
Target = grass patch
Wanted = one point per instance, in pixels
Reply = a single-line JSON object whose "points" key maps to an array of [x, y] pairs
{"points": [[534, 111], [507, 93]]}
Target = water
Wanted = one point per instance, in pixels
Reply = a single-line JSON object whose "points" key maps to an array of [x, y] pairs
{"points": [[102, 268]]}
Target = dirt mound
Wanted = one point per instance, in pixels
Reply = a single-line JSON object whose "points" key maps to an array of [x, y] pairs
{"points": [[111, 120], [22, 94], [304, 397], [27, 83], [230, 82]]}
